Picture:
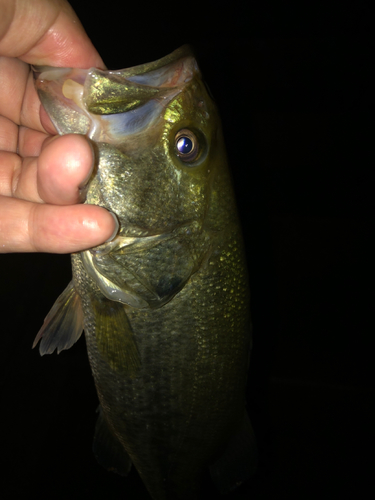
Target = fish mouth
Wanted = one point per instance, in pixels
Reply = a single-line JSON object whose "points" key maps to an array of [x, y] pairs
{"points": [[109, 106]]}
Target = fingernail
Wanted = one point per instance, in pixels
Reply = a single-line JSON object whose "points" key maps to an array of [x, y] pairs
{"points": [[117, 227]]}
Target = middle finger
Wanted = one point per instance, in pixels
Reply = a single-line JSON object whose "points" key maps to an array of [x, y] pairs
{"points": [[58, 176]]}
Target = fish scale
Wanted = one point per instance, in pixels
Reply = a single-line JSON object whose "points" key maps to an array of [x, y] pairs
{"points": [[166, 304], [196, 360]]}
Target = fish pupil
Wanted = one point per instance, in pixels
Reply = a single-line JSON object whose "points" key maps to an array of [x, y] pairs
{"points": [[184, 145]]}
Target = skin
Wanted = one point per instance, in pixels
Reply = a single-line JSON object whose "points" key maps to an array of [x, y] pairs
{"points": [[43, 176]]}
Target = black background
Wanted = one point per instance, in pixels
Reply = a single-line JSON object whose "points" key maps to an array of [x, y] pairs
{"points": [[293, 88]]}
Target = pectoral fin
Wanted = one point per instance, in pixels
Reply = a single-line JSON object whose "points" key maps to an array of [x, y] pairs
{"points": [[114, 337], [63, 324], [108, 450], [238, 461]]}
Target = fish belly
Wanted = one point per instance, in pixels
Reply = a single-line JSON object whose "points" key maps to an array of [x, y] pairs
{"points": [[174, 412]]}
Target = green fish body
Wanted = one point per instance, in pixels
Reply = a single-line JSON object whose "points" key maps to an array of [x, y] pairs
{"points": [[165, 305]]}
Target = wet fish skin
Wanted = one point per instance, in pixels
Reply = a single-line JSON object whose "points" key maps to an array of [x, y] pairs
{"points": [[166, 304]]}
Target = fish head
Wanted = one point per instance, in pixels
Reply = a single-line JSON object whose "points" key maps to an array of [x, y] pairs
{"points": [[161, 169]]}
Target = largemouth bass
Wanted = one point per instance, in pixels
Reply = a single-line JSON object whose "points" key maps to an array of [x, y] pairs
{"points": [[165, 305]]}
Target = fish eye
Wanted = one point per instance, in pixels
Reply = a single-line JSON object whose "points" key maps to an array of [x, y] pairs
{"points": [[186, 145]]}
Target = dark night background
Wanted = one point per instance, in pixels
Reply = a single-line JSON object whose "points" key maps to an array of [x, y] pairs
{"points": [[293, 89]]}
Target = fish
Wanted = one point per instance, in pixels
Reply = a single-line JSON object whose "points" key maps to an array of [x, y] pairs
{"points": [[165, 305]]}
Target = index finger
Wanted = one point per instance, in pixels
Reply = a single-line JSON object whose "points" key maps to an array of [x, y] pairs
{"points": [[45, 32]]}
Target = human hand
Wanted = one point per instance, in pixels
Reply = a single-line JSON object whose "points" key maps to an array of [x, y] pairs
{"points": [[41, 177]]}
